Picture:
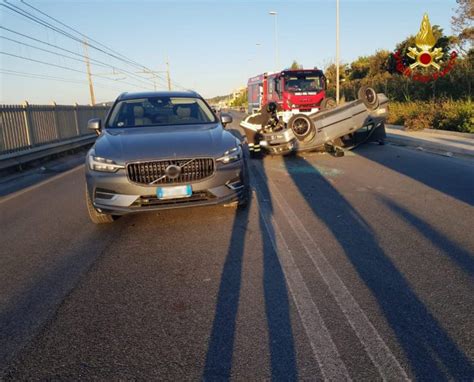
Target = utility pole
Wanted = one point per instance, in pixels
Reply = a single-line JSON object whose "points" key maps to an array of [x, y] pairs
{"points": [[168, 73], [155, 73], [275, 14], [89, 75], [337, 52]]}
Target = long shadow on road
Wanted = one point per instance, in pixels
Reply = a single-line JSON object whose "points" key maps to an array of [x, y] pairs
{"points": [[458, 255], [280, 338], [432, 354], [446, 175]]}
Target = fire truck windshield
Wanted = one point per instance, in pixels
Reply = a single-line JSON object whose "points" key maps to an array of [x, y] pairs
{"points": [[309, 83]]}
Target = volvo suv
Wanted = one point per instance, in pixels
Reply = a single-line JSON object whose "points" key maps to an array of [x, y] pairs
{"points": [[163, 150]]}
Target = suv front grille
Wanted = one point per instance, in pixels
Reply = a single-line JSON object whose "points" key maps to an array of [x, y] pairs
{"points": [[191, 170]]}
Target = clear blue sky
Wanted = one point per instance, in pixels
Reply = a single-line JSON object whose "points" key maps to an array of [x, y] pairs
{"points": [[211, 45]]}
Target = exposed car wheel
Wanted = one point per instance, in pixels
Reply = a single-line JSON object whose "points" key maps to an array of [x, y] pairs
{"points": [[328, 103], [369, 97], [96, 216], [302, 127]]}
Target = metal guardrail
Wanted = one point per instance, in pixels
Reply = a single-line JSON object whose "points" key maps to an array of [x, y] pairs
{"points": [[30, 132], [24, 127]]}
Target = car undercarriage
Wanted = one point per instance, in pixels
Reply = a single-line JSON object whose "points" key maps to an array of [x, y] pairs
{"points": [[334, 129]]}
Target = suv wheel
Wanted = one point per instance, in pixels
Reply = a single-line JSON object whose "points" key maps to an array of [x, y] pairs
{"points": [[96, 216]]}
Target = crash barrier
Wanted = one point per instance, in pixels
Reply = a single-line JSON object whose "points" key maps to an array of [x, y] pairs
{"points": [[25, 127]]}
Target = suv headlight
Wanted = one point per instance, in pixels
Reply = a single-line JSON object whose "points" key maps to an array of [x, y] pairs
{"points": [[102, 164], [231, 155]]}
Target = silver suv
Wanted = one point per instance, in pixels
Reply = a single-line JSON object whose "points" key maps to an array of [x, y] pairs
{"points": [[163, 150]]}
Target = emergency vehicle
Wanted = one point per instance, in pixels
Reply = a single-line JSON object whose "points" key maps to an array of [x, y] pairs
{"points": [[294, 90]]}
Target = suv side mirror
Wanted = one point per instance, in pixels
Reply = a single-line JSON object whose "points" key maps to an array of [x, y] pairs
{"points": [[226, 119], [95, 124]]}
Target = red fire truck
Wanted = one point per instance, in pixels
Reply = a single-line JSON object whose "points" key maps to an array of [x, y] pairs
{"points": [[294, 90]]}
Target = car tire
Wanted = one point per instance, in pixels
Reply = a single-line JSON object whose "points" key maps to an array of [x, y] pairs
{"points": [[96, 216], [369, 97], [303, 127]]}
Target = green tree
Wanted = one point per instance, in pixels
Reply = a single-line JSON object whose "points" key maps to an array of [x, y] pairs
{"points": [[359, 68], [378, 62], [330, 73], [240, 100], [462, 24]]}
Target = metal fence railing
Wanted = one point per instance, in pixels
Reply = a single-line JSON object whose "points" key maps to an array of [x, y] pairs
{"points": [[23, 127]]}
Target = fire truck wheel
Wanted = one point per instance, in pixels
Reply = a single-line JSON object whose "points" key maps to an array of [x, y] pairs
{"points": [[328, 103], [369, 97], [302, 127]]}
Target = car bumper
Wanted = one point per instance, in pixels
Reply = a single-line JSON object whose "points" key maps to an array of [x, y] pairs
{"points": [[280, 148], [114, 193]]}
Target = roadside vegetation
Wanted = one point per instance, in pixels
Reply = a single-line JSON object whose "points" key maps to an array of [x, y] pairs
{"points": [[443, 115], [241, 100], [445, 103]]}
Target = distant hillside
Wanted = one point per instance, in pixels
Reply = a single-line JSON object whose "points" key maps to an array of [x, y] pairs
{"points": [[218, 99]]}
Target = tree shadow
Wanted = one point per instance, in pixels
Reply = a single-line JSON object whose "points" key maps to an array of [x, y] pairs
{"points": [[432, 354], [432, 170], [461, 257], [218, 364]]}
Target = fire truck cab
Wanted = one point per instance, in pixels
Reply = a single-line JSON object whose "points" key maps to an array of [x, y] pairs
{"points": [[294, 90]]}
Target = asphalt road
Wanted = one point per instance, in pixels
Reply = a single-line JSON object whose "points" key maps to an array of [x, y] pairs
{"points": [[357, 268]]}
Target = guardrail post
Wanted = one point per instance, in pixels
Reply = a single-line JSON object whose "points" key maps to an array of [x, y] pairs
{"points": [[76, 118], [56, 124], [28, 130]]}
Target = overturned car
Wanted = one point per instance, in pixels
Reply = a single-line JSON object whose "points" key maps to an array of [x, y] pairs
{"points": [[333, 129]]}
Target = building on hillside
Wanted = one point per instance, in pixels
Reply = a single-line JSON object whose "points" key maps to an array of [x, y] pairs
{"points": [[237, 93]]}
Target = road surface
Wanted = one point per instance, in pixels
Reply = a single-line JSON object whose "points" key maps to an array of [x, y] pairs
{"points": [[357, 268]]}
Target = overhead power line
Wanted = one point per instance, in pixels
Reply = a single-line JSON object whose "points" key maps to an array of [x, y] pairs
{"points": [[48, 51], [41, 62], [53, 78], [84, 36], [96, 62], [46, 24], [71, 28], [59, 66], [96, 45]]}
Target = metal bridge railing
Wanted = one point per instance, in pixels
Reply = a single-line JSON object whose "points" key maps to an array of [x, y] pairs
{"points": [[24, 127]]}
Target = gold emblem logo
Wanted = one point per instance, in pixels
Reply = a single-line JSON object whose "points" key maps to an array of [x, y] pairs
{"points": [[424, 55]]}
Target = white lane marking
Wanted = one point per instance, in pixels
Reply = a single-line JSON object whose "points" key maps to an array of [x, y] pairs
{"points": [[324, 349], [384, 360], [40, 184]]}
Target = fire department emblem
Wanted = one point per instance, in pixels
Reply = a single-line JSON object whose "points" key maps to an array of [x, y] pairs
{"points": [[426, 55], [425, 41]]}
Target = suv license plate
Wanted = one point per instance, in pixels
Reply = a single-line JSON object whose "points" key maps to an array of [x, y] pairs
{"points": [[174, 192]]}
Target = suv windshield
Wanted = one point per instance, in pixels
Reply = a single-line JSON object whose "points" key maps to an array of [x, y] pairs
{"points": [[303, 84], [160, 111]]}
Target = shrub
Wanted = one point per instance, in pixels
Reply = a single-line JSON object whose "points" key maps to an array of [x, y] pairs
{"points": [[446, 115], [455, 116]]}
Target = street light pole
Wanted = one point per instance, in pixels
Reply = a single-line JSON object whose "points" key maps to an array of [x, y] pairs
{"points": [[337, 52], [274, 13]]}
